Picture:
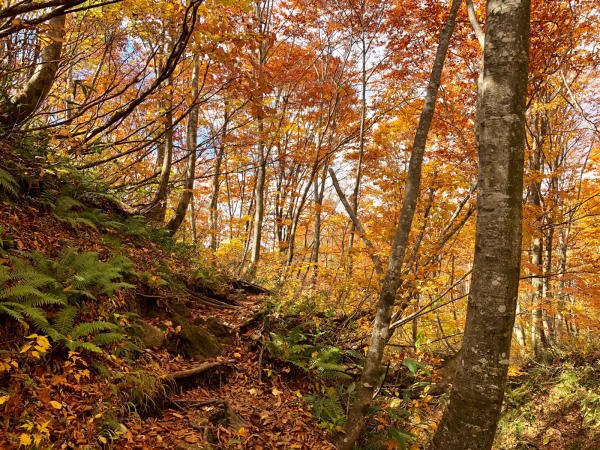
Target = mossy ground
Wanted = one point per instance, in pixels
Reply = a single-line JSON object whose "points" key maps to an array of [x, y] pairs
{"points": [[554, 407]]}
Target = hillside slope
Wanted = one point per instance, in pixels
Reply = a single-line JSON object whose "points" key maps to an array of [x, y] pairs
{"points": [[108, 317]]}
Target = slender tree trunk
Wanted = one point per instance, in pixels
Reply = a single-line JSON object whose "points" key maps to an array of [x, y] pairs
{"points": [[357, 224], [540, 343], [263, 19], [471, 418], [361, 136], [562, 284], [259, 210], [319, 192], [547, 316], [539, 339], [158, 208], [33, 93], [387, 297], [193, 220], [519, 331], [214, 197], [296, 216], [190, 171]]}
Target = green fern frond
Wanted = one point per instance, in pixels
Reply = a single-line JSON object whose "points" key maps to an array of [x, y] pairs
{"points": [[65, 319], [36, 315], [87, 328], [4, 275], [8, 183], [29, 295], [103, 339], [6, 309], [66, 203], [78, 345], [32, 277]]}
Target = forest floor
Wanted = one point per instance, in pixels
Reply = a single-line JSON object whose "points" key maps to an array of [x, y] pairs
{"points": [[240, 396], [244, 399], [554, 406]]}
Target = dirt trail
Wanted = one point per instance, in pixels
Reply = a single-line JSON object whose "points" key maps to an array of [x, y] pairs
{"points": [[243, 402]]}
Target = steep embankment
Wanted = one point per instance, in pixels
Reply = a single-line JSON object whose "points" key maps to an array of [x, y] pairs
{"points": [[114, 334]]}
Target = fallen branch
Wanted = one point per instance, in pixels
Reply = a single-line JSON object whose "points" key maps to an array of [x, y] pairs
{"points": [[181, 376], [212, 301], [250, 288]]}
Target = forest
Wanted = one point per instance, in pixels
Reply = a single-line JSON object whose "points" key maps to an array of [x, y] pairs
{"points": [[300, 224]]}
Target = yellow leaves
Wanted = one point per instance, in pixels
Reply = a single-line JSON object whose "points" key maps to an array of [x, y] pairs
{"points": [[4, 399], [6, 366], [243, 433], [514, 372], [56, 405], [24, 440], [276, 391], [38, 345]]}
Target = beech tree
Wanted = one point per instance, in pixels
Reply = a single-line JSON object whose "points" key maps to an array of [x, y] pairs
{"points": [[472, 415]]}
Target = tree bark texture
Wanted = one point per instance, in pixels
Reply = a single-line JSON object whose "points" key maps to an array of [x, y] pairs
{"points": [[28, 99], [471, 418]]}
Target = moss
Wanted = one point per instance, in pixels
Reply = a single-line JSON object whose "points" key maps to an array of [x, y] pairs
{"points": [[193, 341]]}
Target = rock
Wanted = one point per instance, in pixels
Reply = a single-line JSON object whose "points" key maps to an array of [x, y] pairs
{"points": [[180, 309], [193, 341], [151, 336], [216, 328]]}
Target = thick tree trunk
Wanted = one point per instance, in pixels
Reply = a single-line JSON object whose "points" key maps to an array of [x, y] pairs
{"points": [[387, 297], [28, 99], [471, 418], [190, 171]]}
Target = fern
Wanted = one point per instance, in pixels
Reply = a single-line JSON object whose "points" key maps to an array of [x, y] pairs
{"points": [[328, 408], [104, 339], [87, 328], [11, 311], [79, 345], [29, 295], [65, 319], [8, 184], [31, 289]]}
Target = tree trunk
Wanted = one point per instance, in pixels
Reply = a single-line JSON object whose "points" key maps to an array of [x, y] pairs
{"points": [[214, 198], [539, 339], [259, 210], [471, 418], [28, 99], [158, 208], [319, 192], [190, 171], [380, 334], [361, 137]]}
